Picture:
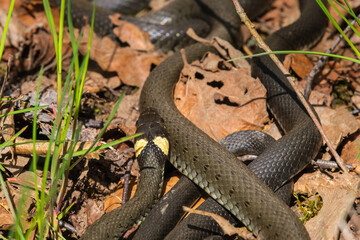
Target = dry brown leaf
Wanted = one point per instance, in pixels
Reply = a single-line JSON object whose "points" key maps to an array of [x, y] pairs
{"points": [[93, 211], [96, 80], [225, 225], [332, 71], [219, 98], [127, 113], [229, 52], [15, 163], [115, 200], [6, 218], [321, 94], [32, 13], [299, 63], [281, 14], [351, 152], [158, 4], [337, 123], [16, 30], [131, 34], [23, 193], [356, 100], [338, 194], [38, 49], [132, 66]]}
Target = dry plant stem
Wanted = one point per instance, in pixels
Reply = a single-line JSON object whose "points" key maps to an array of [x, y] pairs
{"points": [[6, 77], [126, 181], [262, 45], [68, 226], [326, 164], [320, 64], [42, 147]]}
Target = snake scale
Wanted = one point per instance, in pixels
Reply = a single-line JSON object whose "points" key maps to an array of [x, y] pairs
{"points": [[217, 171]]}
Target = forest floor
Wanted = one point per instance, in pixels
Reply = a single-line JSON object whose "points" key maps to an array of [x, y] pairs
{"points": [[210, 93]]}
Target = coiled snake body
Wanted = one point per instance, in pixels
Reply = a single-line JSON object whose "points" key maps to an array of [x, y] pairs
{"points": [[217, 171]]}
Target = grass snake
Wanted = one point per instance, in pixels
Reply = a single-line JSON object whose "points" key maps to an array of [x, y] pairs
{"points": [[216, 170]]}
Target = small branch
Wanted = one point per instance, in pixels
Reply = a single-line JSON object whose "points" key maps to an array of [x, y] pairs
{"points": [[320, 64], [262, 45], [68, 226], [6, 75], [325, 164], [126, 181]]}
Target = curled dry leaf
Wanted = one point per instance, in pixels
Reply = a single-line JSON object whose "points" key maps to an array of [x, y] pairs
{"points": [[158, 4], [127, 113], [132, 66], [115, 200], [38, 49], [337, 123], [24, 194], [299, 63], [131, 34], [225, 225], [93, 211], [321, 94], [96, 82], [282, 13], [220, 99], [6, 218], [338, 195], [351, 152], [16, 29]]}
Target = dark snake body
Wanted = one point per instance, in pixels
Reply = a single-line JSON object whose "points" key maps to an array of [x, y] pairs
{"points": [[216, 170], [151, 164], [168, 210]]}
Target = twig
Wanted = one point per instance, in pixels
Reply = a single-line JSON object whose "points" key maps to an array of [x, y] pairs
{"points": [[6, 75], [262, 45], [325, 164], [126, 181], [355, 112], [68, 226], [320, 64]]}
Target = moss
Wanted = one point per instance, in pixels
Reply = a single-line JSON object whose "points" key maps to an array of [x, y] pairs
{"points": [[308, 206], [342, 94]]}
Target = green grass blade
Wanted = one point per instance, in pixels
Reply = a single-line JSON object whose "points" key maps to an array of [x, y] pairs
{"points": [[9, 142], [103, 129], [51, 23], [18, 227], [23, 111], [73, 39], [348, 9], [331, 18], [298, 52], [110, 144], [34, 135], [345, 19], [3, 37]]}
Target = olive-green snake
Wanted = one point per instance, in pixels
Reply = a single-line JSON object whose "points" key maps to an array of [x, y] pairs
{"points": [[216, 170]]}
